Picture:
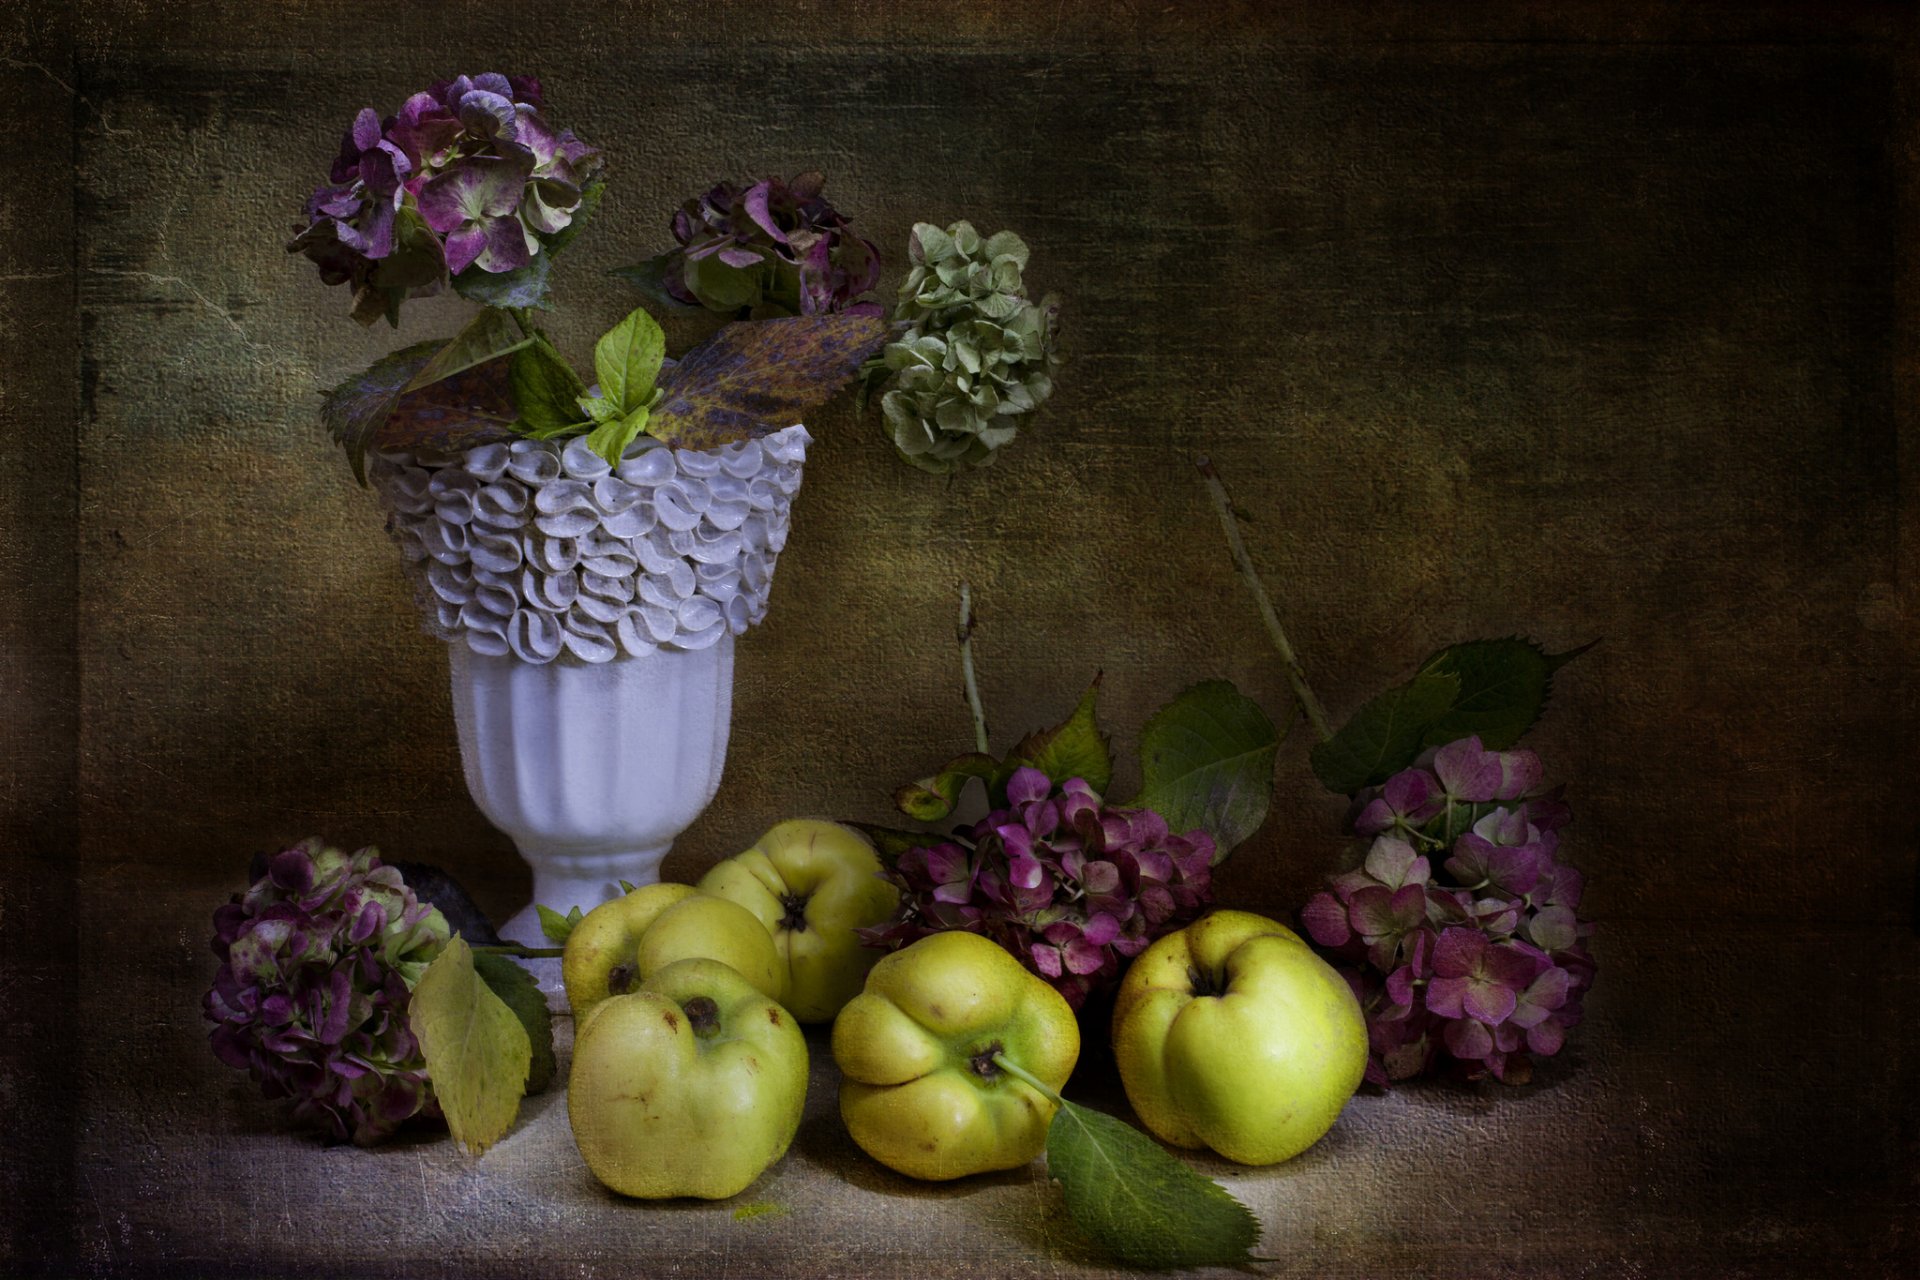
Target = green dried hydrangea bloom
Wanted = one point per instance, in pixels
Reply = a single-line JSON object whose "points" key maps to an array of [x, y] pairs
{"points": [[973, 354]]}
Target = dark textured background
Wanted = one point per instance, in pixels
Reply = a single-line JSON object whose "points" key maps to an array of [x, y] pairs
{"points": [[1573, 321]]}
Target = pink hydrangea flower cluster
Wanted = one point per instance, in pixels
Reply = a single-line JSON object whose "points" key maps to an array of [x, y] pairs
{"points": [[318, 960], [1481, 959], [1071, 886]]}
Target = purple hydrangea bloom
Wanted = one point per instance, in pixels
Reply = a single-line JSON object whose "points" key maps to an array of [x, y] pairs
{"points": [[1071, 886], [1482, 961], [771, 242], [467, 176], [318, 962]]}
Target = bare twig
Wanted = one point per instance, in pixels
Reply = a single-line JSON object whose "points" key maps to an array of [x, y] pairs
{"points": [[1315, 713], [965, 636]]}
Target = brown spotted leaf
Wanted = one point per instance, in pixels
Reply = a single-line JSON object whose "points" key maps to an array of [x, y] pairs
{"points": [[756, 377], [355, 410], [473, 407]]}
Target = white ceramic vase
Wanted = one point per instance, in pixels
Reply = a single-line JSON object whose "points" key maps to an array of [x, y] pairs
{"points": [[589, 612], [592, 769]]}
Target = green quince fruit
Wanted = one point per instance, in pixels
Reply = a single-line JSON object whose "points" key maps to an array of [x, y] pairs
{"points": [[920, 1091], [811, 883], [602, 953], [690, 1086], [1232, 1034], [703, 927]]}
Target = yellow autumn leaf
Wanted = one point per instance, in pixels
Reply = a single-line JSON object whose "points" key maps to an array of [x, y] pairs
{"points": [[477, 1051]]}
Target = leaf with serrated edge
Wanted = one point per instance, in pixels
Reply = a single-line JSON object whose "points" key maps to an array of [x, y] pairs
{"points": [[1074, 748], [355, 410], [627, 358], [1140, 1204], [546, 390], [932, 799], [477, 1053], [473, 407], [556, 927], [756, 377], [487, 336], [522, 287], [514, 985], [610, 439], [1503, 688], [1384, 736], [1206, 760]]}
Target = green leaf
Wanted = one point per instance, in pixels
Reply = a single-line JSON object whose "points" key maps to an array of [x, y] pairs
{"points": [[756, 377], [650, 277], [932, 799], [598, 409], [557, 927], [355, 410], [490, 334], [1385, 735], [545, 387], [890, 842], [1504, 686], [514, 985], [1206, 760], [610, 439], [719, 286], [1074, 748], [522, 287], [627, 358], [1140, 1204], [477, 1053]]}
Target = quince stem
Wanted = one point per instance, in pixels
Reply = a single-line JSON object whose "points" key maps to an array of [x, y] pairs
{"points": [[524, 953], [1296, 676], [1026, 1078]]}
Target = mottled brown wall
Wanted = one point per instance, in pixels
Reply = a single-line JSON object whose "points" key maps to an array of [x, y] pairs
{"points": [[1568, 321]]}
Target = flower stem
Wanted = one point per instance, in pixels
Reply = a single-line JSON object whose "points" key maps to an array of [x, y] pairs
{"points": [[523, 953], [1028, 1079], [965, 636], [1296, 676], [523, 319]]}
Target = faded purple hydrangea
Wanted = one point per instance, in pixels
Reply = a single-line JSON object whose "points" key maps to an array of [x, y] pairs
{"points": [[467, 175], [1071, 886], [318, 961], [1481, 960], [770, 243]]}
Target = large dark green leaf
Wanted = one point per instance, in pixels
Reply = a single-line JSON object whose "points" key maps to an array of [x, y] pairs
{"points": [[1206, 760], [523, 287], [546, 390], [490, 334], [1074, 748], [1140, 1204], [1503, 688], [1385, 735], [513, 984], [756, 377], [355, 410]]}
